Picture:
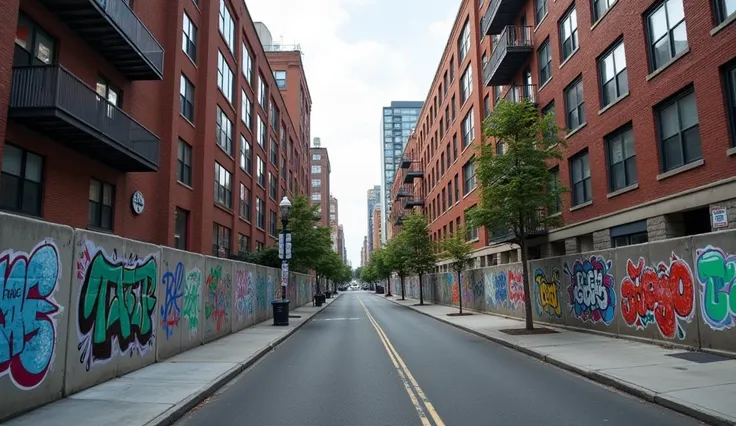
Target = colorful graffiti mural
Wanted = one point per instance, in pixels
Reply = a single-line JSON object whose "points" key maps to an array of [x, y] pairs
{"points": [[661, 295], [548, 293], [173, 283], [261, 292], [190, 308], [717, 278], [516, 288], [117, 301], [28, 313], [217, 304], [244, 294], [591, 289]]}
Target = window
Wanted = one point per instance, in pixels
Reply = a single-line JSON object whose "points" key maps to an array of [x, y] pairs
{"points": [[730, 78], [33, 45], [243, 244], [272, 223], [316, 196], [454, 147], [452, 69], [629, 234], [223, 186], [667, 33], [21, 181], [224, 77], [580, 171], [274, 153], [472, 232], [246, 158], [184, 172], [316, 183], [101, 203], [550, 110], [556, 207], [272, 186], [724, 9], [283, 168], [614, 80], [227, 26], [486, 107], [244, 202], [186, 98], [316, 157], [274, 116], [261, 172], [449, 194], [246, 108], [247, 64], [224, 131], [189, 38], [452, 106], [316, 169], [540, 10], [261, 132], [569, 33], [463, 43], [109, 92], [260, 213], [621, 159], [544, 59], [220, 240], [575, 104], [679, 132], [181, 227], [600, 7], [262, 93], [466, 84], [280, 77], [468, 129], [469, 176]]}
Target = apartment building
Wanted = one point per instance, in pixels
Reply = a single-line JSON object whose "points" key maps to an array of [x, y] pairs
{"points": [[109, 109], [373, 199], [334, 225], [645, 95], [364, 252], [377, 222], [320, 176]]}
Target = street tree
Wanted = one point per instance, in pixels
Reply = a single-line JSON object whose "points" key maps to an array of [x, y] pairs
{"points": [[422, 256], [368, 274], [516, 186], [311, 243], [456, 249], [381, 268], [329, 267], [397, 255]]}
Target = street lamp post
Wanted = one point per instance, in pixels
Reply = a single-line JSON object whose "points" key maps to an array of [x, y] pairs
{"points": [[281, 307]]}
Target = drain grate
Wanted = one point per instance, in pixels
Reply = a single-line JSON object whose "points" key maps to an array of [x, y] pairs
{"points": [[699, 357]]}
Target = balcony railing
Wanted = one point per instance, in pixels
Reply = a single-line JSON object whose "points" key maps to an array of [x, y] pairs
{"points": [[525, 92], [53, 101], [512, 50], [499, 14], [411, 202], [116, 33], [403, 193]]}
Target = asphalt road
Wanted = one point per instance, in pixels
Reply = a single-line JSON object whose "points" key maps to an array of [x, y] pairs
{"points": [[336, 370]]}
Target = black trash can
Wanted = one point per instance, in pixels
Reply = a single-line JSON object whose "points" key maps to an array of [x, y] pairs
{"points": [[318, 300], [328, 294], [280, 312]]}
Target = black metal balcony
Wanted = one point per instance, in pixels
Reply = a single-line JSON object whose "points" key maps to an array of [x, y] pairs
{"points": [[54, 102], [411, 202], [405, 162], [402, 193], [115, 32], [513, 49], [499, 14], [525, 92], [533, 229]]}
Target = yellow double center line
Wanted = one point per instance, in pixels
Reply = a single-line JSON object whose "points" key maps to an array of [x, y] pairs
{"points": [[417, 396]]}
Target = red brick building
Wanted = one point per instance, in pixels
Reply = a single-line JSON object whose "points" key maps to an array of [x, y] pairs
{"points": [[645, 91], [122, 119]]}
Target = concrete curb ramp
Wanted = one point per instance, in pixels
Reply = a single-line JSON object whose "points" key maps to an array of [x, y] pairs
{"points": [[692, 410]]}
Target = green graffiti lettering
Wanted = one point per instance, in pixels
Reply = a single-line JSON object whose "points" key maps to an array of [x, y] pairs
{"points": [[717, 276]]}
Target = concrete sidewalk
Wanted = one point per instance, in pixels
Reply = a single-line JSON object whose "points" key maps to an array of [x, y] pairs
{"points": [[159, 394], [698, 384]]}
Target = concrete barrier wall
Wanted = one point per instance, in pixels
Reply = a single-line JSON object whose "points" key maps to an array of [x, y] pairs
{"points": [[680, 291], [79, 307]]}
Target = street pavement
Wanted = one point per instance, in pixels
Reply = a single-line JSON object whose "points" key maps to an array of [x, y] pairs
{"points": [[367, 361]]}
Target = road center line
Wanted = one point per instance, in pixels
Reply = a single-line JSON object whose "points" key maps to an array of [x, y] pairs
{"points": [[405, 374]]}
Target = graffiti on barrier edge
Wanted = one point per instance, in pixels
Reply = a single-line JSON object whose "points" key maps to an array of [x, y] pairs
{"points": [[117, 302], [190, 305], [496, 288], [661, 295], [592, 296], [217, 304], [28, 313], [173, 283], [244, 294], [548, 293], [717, 277]]}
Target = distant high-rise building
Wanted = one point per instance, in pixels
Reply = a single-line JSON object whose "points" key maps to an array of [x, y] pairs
{"points": [[320, 186], [374, 199], [334, 234], [397, 123], [377, 224]]}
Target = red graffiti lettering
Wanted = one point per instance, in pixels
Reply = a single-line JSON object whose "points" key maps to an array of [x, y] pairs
{"points": [[660, 295], [516, 288]]}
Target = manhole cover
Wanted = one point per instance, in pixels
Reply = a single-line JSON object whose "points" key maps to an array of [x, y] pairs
{"points": [[699, 357]]}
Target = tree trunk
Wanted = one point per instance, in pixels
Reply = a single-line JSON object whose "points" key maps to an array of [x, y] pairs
{"points": [[527, 293], [317, 275], [460, 292], [421, 293], [401, 277], [388, 287]]}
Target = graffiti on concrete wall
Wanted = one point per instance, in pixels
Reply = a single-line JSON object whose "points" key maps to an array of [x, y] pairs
{"points": [[591, 289], [548, 293], [190, 305], [28, 313], [447, 282], [516, 288], [467, 283], [117, 304], [661, 295], [217, 303], [261, 292], [173, 283], [244, 294], [496, 289], [717, 277]]}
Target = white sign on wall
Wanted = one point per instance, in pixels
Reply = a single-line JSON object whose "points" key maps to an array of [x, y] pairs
{"points": [[719, 217]]}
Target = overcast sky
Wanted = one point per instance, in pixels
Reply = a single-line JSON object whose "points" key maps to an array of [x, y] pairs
{"points": [[359, 56]]}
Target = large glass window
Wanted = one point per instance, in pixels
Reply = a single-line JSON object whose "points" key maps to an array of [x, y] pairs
{"points": [[21, 181], [468, 129], [614, 79], [33, 45], [724, 9], [280, 77], [463, 43], [262, 93], [621, 159], [600, 7], [243, 244], [544, 61], [189, 38], [223, 186], [679, 131], [181, 229], [667, 33], [224, 77], [469, 176], [186, 98], [227, 26], [273, 188], [260, 213], [261, 132], [101, 204], [220, 240], [540, 10], [730, 79], [569, 33], [261, 171], [272, 223], [224, 131], [466, 84], [246, 64], [580, 178], [246, 152], [244, 202], [316, 169], [184, 171], [575, 104], [246, 109]]}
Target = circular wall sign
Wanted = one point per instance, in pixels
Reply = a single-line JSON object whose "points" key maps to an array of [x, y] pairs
{"points": [[138, 202]]}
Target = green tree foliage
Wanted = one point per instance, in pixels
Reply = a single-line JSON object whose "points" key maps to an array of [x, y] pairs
{"points": [[457, 250], [516, 187], [357, 271], [380, 268], [368, 274], [397, 255], [422, 256]]}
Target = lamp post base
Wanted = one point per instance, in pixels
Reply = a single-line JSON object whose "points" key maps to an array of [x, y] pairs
{"points": [[280, 312]]}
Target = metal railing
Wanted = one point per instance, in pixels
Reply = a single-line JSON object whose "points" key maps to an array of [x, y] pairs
{"points": [[512, 36], [282, 47], [129, 23], [485, 22], [521, 93], [53, 86]]}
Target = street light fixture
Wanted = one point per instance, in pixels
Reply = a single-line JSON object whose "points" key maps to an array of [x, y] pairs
{"points": [[281, 307]]}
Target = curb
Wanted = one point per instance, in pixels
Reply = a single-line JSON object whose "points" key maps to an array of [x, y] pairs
{"points": [[173, 414], [647, 395]]}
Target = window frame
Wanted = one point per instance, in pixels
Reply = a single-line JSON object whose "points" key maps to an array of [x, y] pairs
{"points": [[674, 100], [181, 242], [610, 52], [470, 131], [184, 169], [185, 100], [18, 203], [653, 66], [581, 117], [218, 242], [575, 40], [280, 82], [226, 23], [579, 157], [467, 190], [189, 37], [225, 77], [224, 131], [544, 47], [729, 73], [35, 29], [244, 205], [97, 224], [618, 136], [246, 156], [227, 187]]}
